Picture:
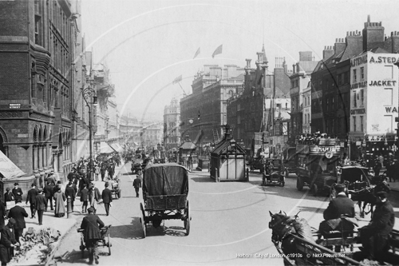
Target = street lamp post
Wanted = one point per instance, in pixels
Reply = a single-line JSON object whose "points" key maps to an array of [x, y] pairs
{"points": [[90, 93]]}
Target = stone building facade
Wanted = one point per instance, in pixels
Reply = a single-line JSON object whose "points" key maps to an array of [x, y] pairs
{"points": [[36, 85]]}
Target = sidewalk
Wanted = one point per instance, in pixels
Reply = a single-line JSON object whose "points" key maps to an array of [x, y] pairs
{"points": [[62, 224]]}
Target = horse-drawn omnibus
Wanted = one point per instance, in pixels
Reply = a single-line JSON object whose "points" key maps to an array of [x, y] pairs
{"points": [[317, 164]]}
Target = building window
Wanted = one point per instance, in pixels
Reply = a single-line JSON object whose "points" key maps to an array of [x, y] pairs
{"points": [[362, 73], [354, 76], [361, 123], [354, 99], [361, 97], [354, 124]]}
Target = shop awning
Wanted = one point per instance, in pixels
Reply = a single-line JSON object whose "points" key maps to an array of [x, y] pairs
{"points": [[8, 168], [116, 147], [105, 148]]}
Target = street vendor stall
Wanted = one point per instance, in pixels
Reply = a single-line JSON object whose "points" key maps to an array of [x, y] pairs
{"points": [[228, 160]]}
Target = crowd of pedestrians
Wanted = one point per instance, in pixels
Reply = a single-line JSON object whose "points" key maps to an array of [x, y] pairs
{"points": [[55, 199]]}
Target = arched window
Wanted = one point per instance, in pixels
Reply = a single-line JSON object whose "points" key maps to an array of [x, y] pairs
{"points": [[34, 148]]}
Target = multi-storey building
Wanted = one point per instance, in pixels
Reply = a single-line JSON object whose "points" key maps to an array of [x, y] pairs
{"points": [[332, 89], [171, 125], [36, 85], [205, 110], [300, 81], [130, 128], [151, 135], [261, 110]]}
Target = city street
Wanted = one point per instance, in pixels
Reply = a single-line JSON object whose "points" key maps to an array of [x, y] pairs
{"points": [[229, 224]]}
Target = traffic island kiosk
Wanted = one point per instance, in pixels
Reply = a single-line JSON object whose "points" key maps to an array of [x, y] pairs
{"points": [[228, 160]]}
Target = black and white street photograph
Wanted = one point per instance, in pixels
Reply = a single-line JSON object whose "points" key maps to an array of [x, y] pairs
{"points": [[199, 132]]}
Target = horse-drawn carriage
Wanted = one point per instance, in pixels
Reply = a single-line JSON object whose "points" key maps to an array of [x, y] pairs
{"points": [[165, 191], [274, 172], [298, 244], [361, 185]]}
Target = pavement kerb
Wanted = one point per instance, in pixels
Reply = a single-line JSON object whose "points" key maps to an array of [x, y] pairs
{"points": [[50, 258]]}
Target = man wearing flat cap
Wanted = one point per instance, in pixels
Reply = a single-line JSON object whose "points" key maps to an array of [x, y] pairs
{"points": [[91, 225], [375, 235], [340, 206], [18, 213]]}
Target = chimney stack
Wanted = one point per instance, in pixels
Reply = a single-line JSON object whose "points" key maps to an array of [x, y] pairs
{"points": [[248, 63], [327, 52]]}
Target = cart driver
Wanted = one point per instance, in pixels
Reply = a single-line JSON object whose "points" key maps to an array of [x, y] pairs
{"points": [[91, 225], [340, 206]]}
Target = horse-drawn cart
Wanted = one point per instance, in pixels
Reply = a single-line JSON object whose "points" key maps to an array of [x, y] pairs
{"points": [[299, 245], [165, 191]]}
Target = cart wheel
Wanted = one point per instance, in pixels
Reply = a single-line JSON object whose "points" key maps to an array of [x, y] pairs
{"points": [[315, 190], [187, 220], [299, 183], [109, 246], [82, 251], [142, 220]]}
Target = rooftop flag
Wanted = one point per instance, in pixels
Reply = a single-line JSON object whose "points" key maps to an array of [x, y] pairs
{"points": [[197, 52], [218, 50], [177, 79]]}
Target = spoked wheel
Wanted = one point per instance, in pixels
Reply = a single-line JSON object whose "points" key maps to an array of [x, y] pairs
{"points": [[142, 220], [187, 220], [109, 245], [315, 190], [282, 183]]}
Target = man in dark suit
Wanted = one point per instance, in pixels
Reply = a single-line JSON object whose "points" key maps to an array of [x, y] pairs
{"points": [[19, 214], [375, 235], [2, 213], [137, 183], [7, 242], [31, 198], [338, 207], [48, 193], [17, 192], [70, 193], [107, 198], [91, 225], [40, 205]]}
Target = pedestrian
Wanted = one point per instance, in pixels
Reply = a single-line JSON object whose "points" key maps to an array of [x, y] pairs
{"points": [[111, 170], [59, 206], [97, 171], [103, 168], [48, 193], [40, 205], [95, 197], [8, 196], [2, 213], [107, 198], [72, 175], [137, 184], [91, 225], [70, 194], [7, 242], [19, 214], [17, 192], [84, 196], [375, 235], [377, 167], [31, 198]]}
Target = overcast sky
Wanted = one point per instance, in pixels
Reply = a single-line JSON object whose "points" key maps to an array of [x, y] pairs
{"points": [[147, 44]]}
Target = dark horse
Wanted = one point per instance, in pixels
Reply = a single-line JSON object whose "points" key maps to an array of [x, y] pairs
{"points": [[367, 196], [283, 227]]}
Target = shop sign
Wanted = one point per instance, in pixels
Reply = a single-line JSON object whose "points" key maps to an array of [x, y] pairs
{"points": [[391, 110], [383, 60], [359, 85], [323, 149], [358, 111], [385, 83]]}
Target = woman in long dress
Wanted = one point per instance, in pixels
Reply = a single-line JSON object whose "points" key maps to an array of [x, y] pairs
{"points": [[59, 198]]}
